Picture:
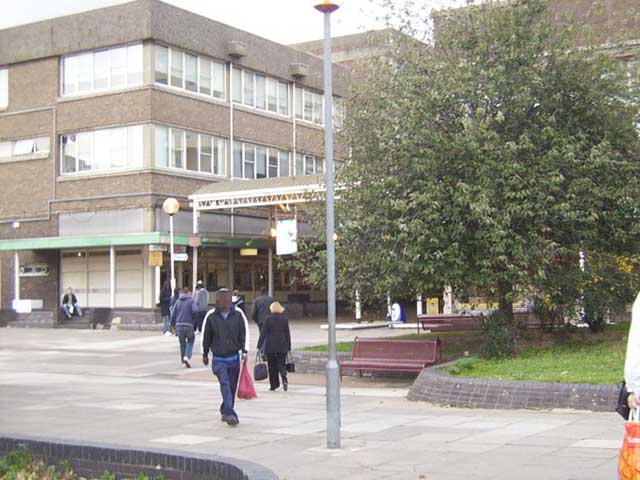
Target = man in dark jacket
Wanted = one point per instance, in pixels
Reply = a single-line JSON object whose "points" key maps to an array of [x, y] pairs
{"points": [[183, 316], [225, 334], [260, 310]]}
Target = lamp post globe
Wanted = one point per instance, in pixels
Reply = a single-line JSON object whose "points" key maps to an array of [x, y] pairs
{"points": [[170, 206], [326, 6]]}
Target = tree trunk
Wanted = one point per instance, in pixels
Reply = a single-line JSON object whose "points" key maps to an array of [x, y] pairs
{"points": [[505, 302]]}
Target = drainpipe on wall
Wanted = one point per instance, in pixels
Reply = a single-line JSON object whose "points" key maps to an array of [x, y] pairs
{"points": [[16, 276]]}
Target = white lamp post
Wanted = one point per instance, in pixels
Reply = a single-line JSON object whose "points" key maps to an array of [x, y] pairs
{"points": [[327, 7], [171, 206]]}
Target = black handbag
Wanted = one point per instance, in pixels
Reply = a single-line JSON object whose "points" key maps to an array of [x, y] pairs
{"points": [[290, 365], [623, 407], [260, 371]]}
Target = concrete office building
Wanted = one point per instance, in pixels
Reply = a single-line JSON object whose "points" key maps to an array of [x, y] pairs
{"points": [[105, 114]]}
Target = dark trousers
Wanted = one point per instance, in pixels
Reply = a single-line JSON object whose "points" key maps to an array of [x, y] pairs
{"points": [[200, 320], [227, 374], [276, 363], [186, 338]]}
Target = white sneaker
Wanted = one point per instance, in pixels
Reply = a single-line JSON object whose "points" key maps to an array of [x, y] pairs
{"points": [[167, 333], [186, 363]]}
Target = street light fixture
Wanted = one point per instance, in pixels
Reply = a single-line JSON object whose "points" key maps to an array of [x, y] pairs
{"points": [[171, 206], [332, 371]]}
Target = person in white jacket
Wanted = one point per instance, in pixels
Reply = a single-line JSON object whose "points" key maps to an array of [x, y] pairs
{"points": [[632, 360]]}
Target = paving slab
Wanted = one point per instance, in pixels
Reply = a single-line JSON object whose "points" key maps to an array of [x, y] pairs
{"points": [[128, 388]]}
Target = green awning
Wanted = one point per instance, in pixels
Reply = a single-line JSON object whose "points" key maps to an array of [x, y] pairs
{"points": [[56, 243], [153, 238]]}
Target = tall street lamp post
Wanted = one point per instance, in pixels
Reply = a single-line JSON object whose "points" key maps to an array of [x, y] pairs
{"points": [[171, 206], [332, 370]]}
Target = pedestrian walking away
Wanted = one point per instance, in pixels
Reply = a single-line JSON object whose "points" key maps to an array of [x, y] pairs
{"points": [[182, 319], [238, 301], [260, 310], [165, 305], [70, 305], [275, 339], [174, 299], [201, 298], [225, 336]]}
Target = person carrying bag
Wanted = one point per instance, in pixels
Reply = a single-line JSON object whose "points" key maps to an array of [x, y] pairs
{"points": [[275, 340]]}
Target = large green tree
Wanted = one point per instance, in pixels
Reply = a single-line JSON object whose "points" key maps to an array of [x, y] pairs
{"points": [[490, 160]]}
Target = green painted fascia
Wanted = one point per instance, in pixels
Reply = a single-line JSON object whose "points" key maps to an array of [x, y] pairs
{"points": [[237, 242], [55, 243]]}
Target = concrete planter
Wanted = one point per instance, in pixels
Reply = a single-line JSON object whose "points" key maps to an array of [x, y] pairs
{"points": [[435, 387], [90, 460]]}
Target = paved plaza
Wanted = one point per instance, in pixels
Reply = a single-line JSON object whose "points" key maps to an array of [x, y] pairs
{"points": [[128, 388]]}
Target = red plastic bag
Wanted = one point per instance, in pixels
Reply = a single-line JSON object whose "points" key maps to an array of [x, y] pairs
{"points": [[245, 384], [629, 459]]}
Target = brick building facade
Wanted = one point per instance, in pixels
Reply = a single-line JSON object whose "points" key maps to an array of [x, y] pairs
{"points": [[104, 114]]}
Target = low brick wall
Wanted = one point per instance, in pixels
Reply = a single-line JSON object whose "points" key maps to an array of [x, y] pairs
{"points": [[35, 319], [435, 387], [314, 362], [90, 460]]}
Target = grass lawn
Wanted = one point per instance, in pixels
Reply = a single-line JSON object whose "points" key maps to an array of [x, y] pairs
{"points": [[582, 358]]}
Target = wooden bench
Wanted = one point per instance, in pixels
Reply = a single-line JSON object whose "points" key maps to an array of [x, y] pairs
{"points": [[392, 355], [458, 322], [450, 322]]}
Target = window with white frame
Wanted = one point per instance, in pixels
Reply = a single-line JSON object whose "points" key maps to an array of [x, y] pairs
{"points": [[109, 69], [187, 150], [338, 112], [4, 88], [189, 72], [256, 161], [308, 164], [309, 106], [260, 92], [102, 150], [14, 150]]}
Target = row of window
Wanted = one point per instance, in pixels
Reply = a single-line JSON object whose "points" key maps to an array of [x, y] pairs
{"points": [[101, 70], [24, 147], [122, 148], [193, 73], [102, 150], [254, 161], [122, 67], [261, 92], [186, 150]]}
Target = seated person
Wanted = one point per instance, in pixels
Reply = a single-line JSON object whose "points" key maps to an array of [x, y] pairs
{"points": [[70, 305]]}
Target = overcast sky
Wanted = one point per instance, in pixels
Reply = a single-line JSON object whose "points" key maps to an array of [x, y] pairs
{"points": [[283, 21]]}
